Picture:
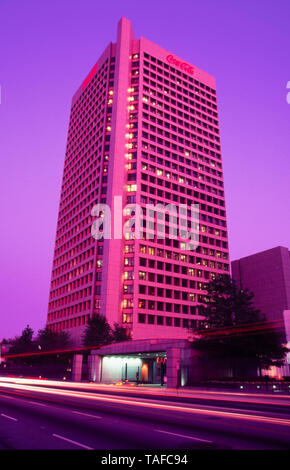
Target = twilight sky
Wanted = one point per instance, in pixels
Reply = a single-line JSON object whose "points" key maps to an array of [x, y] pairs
{"points": [[47, 49]]}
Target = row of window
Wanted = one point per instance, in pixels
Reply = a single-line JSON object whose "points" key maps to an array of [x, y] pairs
{"points": [[73, 322], [166, 306], [68, 299], [60, 258], [177, 185], [194, 160], [71, 310], [76, 284], [188, 80], [152, 250], [163, 101], [184, 119], [182, 94], [86, 267], [167, 321]]}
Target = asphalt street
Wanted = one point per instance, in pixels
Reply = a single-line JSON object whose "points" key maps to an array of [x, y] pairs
{"points": [[34, 415]]}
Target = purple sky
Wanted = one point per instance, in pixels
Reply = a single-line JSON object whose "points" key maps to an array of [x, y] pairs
{"points": [[47, 49]]}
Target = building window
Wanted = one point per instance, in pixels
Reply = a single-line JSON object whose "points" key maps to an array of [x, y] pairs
{"points": [[141, 318]]}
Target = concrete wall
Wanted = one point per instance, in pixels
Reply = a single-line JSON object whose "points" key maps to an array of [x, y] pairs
{"points": [[77, 368]]}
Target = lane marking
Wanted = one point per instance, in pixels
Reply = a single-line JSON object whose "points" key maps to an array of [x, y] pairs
{"points": [[9, 417], [36, 403], [184, 436], [87, 414], [73, 442]]}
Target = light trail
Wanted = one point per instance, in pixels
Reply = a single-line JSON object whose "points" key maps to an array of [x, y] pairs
{"points": [[269, 399], [148, 404]]}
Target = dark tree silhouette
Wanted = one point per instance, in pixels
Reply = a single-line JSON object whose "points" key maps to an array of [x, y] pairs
{"points": [[97, 332], [48, 340], [226, 306], [120, 333], [23, 343]]}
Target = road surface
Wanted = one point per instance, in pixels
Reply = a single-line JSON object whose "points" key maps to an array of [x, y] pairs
{"points": [[49, 415]]}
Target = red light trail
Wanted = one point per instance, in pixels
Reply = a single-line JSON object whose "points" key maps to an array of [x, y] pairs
{"points": [[21, 385]]}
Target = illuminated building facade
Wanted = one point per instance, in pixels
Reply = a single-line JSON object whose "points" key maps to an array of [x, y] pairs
{"points": [[143, 130]]}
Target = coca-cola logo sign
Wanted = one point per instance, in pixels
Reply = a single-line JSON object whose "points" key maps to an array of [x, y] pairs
{"points": [[181, 65]]}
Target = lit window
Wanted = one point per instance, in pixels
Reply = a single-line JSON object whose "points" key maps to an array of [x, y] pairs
{"points": [[131, 187], [127, 317]]}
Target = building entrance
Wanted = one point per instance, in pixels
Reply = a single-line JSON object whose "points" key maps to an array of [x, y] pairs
{"points": [[141, 368]]}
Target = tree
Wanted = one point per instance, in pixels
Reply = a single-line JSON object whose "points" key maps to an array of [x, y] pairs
{"points": [[97, 332], [229, 308], [226, 305], [23, 343], [120, 333], [48, 340]]}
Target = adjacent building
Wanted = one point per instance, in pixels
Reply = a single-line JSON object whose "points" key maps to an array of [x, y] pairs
{"points": [[143, 130], [267, 275]]}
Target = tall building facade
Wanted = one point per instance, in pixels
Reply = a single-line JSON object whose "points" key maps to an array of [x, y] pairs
{"points": [[143, 130]]}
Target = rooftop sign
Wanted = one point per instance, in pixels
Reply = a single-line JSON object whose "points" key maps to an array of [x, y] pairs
{"points": [[181, 65]]}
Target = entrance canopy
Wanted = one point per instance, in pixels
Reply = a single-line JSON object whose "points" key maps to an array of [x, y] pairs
{"points": [[149, 361]]}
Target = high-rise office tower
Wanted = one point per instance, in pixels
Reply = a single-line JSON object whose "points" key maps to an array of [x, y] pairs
{"points": [[143, 131]]}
